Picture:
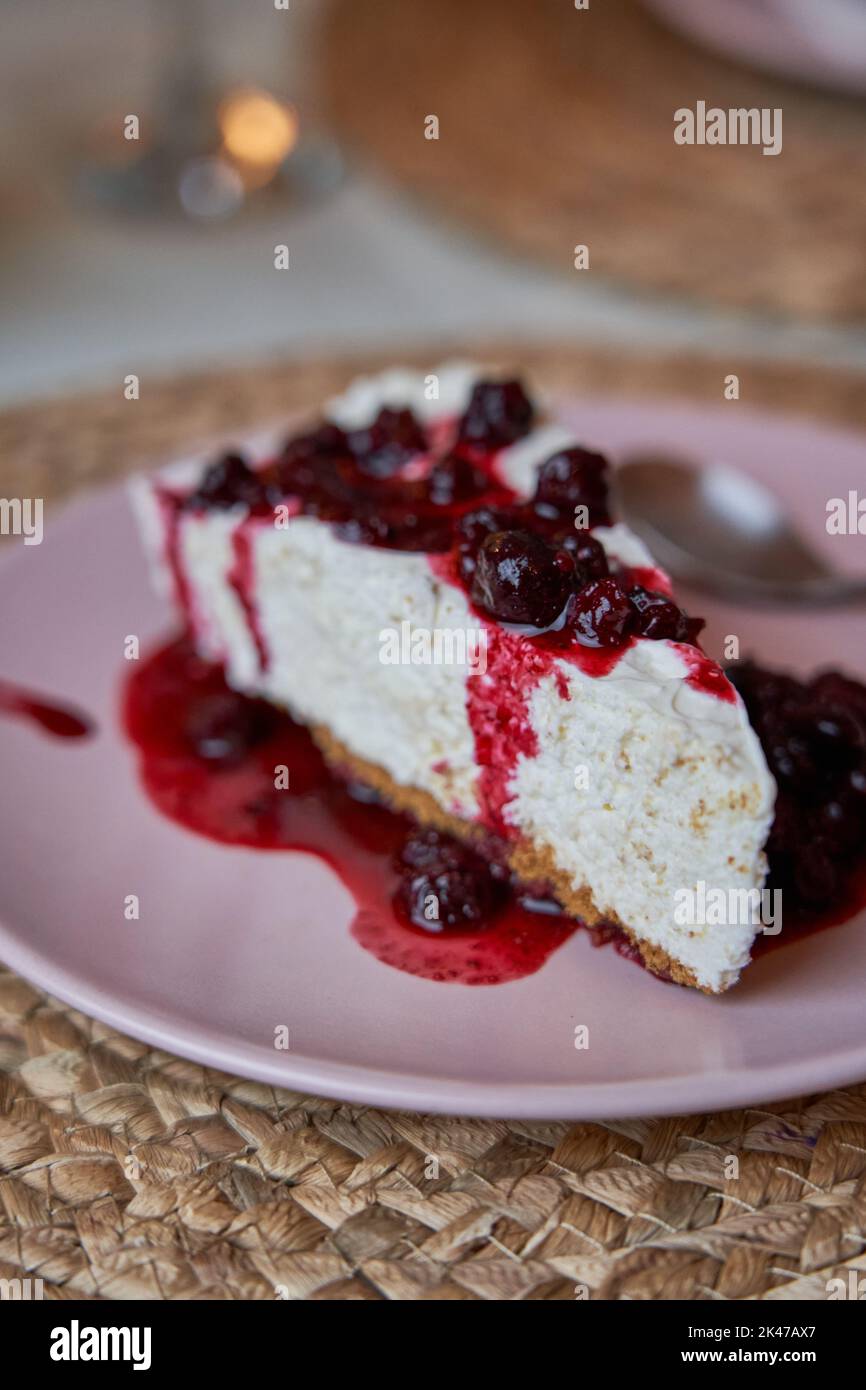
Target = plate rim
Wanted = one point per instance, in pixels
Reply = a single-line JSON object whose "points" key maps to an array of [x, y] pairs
{"points": [[394, 1090]]}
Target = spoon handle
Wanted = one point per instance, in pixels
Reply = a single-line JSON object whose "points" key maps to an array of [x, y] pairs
{"points": [[828, 592]]}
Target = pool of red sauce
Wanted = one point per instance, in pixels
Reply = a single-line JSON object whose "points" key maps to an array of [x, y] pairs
{"points": [[319, 814]]}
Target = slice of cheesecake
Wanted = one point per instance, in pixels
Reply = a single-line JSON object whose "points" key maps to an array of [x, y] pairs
{"points": [[429, 577]]}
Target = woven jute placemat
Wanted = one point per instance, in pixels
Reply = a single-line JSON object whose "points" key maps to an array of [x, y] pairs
{"points": [[556, 129], [129, 1173]]}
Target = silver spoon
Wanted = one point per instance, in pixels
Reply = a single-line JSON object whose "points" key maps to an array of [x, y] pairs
{"points": [[722, 531]]}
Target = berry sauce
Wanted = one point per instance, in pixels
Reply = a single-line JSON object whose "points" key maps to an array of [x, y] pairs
{"points": [[706, 675], [48, 715], [207, 759], [813, 733], [242, 579], [171, 506]]}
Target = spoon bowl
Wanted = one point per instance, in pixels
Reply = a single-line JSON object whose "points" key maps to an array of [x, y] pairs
{"points": [[719, 530]]}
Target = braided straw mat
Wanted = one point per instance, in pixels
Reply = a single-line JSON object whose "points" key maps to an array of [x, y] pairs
{"points": [[556, 130], [128, 1173]]}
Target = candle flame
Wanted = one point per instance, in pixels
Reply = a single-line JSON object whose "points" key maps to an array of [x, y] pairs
{"points": [[257, 131]]}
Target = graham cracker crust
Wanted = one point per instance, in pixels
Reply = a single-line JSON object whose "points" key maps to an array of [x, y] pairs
{"points": [[532, 864]]}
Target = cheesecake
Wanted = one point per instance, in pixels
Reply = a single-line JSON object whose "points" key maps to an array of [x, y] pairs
{"points": [[429, 576]]}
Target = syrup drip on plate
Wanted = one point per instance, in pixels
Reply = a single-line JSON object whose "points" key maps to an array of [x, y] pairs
{"points": [[48, 715]]}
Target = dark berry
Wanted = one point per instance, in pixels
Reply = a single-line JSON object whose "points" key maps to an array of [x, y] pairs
{"points": [[432, 850], [444, 884], [363, 530], [763, 691], [447, 899], [786, 829], [814, 739], [472, 529], [690, 629], [575, 477], [455, 479], [792, 759], [840, 825], [590, 560], [841, 731], [520, 579], [601, 614], [590, 556], [816, 876], [326, 440], [831, 687], [498, 413], [657, 615], [223, 727], [660, 618], [229, 482], [855, 786], [381, 448], [430, 534], [306, 460]]}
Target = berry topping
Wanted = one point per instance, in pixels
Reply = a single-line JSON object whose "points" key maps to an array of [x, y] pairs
{"points": [[394, 437], [230, 482], [601, 614], [659, 617], [423, 534], [498, 413], [831, 687], [358, 482], [304, 459], [589, 555], [520, 579], [223, 727], [472, 529], [691, 629], [814, 738], [431, 850], [572, 478], [455, 479], [325, 440], [363, 530], [444, 885]]}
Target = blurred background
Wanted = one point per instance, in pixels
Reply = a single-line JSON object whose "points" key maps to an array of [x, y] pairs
{"points": [[306, 124]]}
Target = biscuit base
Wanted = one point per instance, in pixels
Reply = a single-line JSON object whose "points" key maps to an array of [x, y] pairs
{"points": [[531, 864]]}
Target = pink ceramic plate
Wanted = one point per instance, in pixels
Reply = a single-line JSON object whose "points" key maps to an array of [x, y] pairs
{"points": [[232, 944]]}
